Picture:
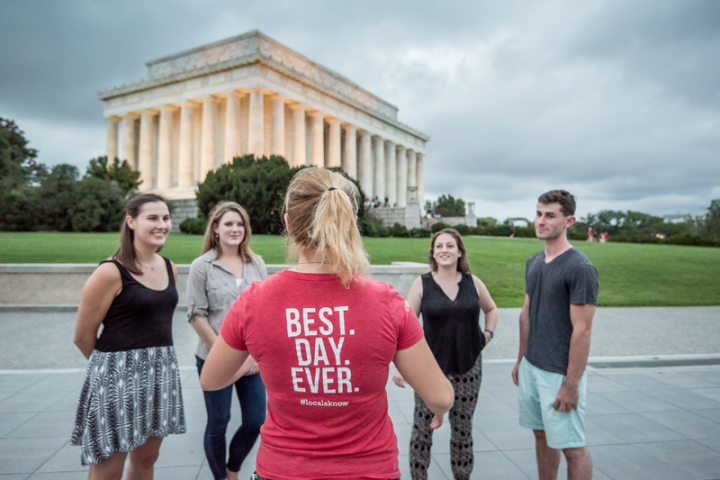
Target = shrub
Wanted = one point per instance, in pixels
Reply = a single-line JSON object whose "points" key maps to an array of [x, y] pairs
{"points": [[372, 227], [525, 232], [258, 185], [577, 236], [439, 226], [462, 229], [194, 226], [398, 230], [99, 205], [420, 233]]}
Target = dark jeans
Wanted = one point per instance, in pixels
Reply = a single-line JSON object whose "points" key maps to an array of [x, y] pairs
{"points": [[251, 393]]}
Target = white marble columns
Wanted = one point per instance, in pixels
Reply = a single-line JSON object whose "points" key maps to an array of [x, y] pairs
{"points": [[256, 132], [380, 169], [277, 144], [366, 170], [145, 155], [174, 150], [412, 175], [351, 151], [208, 139], [299, 145], [111, 148], [231, 146], [420, 180], [402, 176], [391, 173], [164, 166], [185, 155], [128, 139], [334, 147], [317, 139]]}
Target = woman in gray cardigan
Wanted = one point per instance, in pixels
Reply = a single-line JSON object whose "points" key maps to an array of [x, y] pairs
{"points": [[216, 278]]}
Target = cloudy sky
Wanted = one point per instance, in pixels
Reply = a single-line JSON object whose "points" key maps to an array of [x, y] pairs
{"points": [[616, 101]]}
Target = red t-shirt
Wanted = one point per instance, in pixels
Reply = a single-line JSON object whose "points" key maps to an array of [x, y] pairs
{"points": [[323, 352]]}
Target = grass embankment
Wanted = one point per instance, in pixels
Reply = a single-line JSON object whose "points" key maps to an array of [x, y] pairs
{"points": [[630, 274]]}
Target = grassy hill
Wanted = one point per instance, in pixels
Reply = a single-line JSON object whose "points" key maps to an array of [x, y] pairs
{"points": [[630, 274]]}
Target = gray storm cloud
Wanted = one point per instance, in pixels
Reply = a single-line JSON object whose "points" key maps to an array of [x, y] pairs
{"points": [[617, 101]]}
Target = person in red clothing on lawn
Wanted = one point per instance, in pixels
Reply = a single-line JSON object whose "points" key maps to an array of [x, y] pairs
{"points": [[323, 336]]}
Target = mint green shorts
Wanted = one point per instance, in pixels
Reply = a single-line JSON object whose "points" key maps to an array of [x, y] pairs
{"points": [[536, 395]]}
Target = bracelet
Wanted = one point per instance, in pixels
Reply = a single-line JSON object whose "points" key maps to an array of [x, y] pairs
{"points": [[492, 334]]}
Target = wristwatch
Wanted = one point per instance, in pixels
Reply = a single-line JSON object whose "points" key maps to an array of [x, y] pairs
{"points": [[492, 335]]}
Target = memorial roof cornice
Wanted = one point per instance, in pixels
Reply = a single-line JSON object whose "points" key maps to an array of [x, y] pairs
{"points": [[260, 58]]}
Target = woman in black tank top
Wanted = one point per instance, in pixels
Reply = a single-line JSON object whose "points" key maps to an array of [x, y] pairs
{"points": [[450, 299], [132, 396]]}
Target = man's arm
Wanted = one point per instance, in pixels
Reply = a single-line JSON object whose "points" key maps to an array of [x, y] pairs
{"points": [[524, 328], [581, 317]]}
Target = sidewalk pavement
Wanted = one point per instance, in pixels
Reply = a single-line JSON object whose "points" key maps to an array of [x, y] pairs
{"points": [[652, 423], [642, 423]]}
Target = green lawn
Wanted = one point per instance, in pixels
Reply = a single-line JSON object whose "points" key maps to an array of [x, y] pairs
{"points": [[630, 274]]}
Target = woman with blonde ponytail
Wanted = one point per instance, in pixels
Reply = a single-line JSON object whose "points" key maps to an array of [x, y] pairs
{"points": [[323, 336]]}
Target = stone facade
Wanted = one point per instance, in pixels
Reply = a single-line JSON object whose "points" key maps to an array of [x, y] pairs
{"points": [[181, 209], [408, 215], [249, 94]]}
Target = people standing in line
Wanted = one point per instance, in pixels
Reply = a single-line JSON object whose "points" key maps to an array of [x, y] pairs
{"points": [[227, 266], [561, 288], [450, 299], [132, 396], [324, 335]]}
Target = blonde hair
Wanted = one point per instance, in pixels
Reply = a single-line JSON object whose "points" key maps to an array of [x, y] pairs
{"points": [[212, 243], [321, 207]]}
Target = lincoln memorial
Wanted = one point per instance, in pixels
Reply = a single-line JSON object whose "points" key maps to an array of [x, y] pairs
{"points": [[249, 94]]}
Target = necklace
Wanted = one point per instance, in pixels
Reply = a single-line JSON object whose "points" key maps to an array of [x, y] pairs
{"points": [[446, 280], [305, 263], [152, 267]]}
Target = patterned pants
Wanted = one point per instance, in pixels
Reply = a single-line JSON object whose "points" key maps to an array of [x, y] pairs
{"points": [[466, 388]]}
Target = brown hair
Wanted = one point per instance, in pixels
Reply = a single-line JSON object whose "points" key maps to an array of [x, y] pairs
{"points": [[215, 216], [321, 206], [563, 197], [126, 253], [462, 263]]}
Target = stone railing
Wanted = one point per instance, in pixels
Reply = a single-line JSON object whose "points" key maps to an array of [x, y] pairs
{"points": [[59, 286]]}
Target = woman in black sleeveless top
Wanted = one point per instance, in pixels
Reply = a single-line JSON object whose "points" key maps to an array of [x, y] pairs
{"points": [[450, 299], [132, 397]]}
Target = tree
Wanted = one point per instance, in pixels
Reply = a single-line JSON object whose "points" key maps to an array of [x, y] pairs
{"points": [[127, 179], [258, 185], [56, 198], [17, 160], [99, 205], [712, 220], [448, 206]]}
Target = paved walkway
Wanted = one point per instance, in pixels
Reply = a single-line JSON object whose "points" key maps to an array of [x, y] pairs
{"points": [[654, 424], [642, 423], [616, 332]]}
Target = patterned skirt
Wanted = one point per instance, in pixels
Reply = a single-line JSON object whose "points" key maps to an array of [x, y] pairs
{"points": [[128, 397]]}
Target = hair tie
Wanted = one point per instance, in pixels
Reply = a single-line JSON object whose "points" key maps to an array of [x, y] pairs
{"points": [[331, 189]]}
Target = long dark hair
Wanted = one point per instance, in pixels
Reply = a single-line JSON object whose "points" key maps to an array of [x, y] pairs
{"points": [[462, 265], [126, 254]]}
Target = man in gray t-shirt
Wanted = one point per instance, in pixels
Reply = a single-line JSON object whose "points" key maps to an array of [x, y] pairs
{"points": [[561, 288]]}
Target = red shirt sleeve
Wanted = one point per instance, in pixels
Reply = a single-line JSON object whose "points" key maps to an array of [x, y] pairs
{"points": [[232, 329], [409, 330]]}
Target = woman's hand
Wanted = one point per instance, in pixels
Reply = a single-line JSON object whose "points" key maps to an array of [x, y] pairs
{"points": [[399, 380], [253, 367], [436, 422]]}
